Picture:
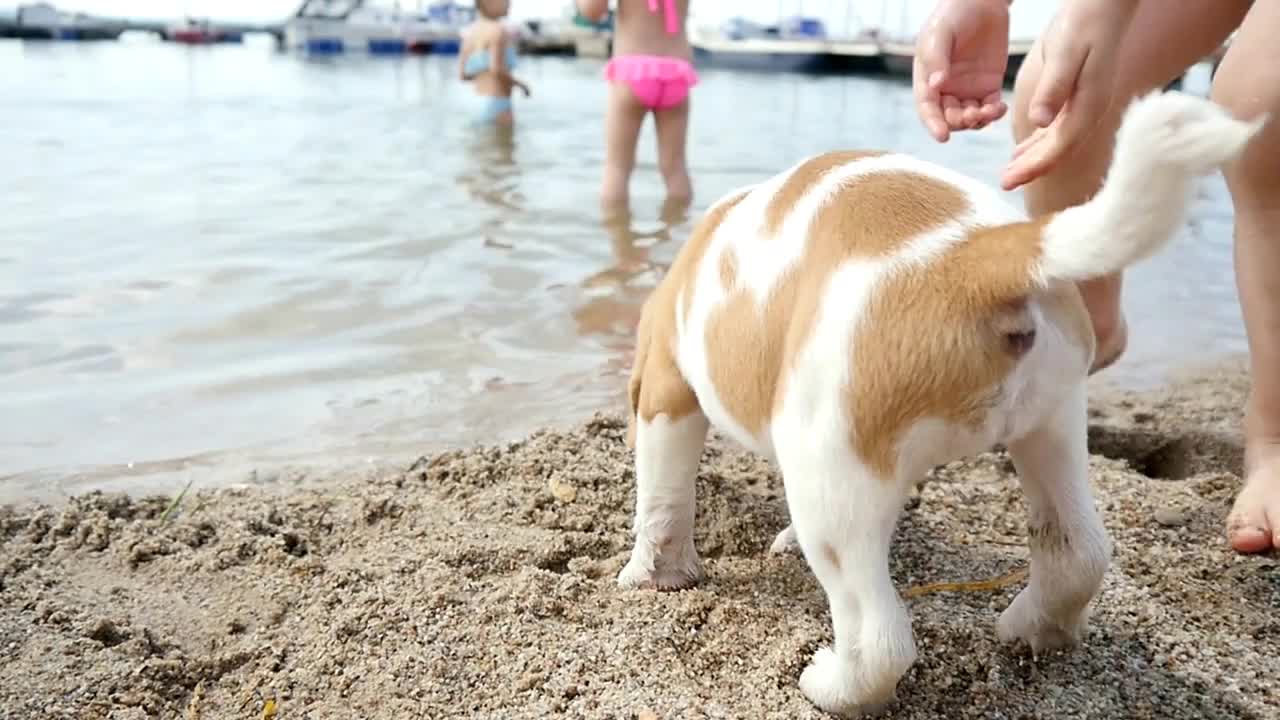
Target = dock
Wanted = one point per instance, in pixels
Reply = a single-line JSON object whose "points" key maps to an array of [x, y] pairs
{"points": [[107, 28]]}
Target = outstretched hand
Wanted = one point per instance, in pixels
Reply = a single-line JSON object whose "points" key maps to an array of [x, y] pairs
{"points": [[1075, 85], [960, 61]]}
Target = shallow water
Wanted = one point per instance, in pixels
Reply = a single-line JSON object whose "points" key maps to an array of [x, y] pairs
{"points": [[218, 259]]}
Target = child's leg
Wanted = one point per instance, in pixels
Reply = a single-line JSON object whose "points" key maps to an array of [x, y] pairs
{"points": [[673, 127], [623, 117], [1249, 85], [1158, 47]]}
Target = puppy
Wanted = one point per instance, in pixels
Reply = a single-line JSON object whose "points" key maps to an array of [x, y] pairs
{"points": [[863, 317]]}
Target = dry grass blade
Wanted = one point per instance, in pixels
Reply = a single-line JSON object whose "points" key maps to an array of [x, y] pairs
{"points": [[970, 586]]}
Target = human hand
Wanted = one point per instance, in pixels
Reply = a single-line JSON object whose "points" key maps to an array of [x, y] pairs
{"points": [[1075, 86], [958, 70], [523, 88]]}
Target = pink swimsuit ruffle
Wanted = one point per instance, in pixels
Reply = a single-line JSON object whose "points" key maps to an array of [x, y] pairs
{"points": [[657, 81]]}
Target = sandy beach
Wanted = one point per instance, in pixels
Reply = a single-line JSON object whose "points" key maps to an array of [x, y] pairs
{"points": [[479, 584]]}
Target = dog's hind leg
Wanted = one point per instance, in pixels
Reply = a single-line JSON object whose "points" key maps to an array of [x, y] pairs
{"points": [[844, 518], [1070, 550]]}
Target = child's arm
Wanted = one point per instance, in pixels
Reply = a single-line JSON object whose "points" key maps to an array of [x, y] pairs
{"points": [[463, 52], [498, 62], [593, 10]]}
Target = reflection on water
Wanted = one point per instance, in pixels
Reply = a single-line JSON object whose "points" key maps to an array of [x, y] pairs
{"points": [[616, 293], [228, 258], [492, 175]]}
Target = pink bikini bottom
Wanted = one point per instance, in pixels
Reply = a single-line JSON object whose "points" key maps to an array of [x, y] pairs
{"points": [[658, 82]]}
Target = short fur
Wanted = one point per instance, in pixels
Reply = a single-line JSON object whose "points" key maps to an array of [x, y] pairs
{"points": [[863, 317]]}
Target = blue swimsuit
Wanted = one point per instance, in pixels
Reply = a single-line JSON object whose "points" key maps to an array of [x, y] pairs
{"points": [[477, 63]]}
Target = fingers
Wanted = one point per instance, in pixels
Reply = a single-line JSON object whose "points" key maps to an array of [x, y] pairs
{"points": [[1022, 171], [1088, 104], [1076, 118], [929, 72], [953, 112], [948, 113], [1034, 157], [993, 107], [978, 114], [929, 108], [1058, 80], [1028, 141], [970, 114]]}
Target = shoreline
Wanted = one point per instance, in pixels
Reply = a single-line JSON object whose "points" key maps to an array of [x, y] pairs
{"points": [[478, 583], [283, 466]]}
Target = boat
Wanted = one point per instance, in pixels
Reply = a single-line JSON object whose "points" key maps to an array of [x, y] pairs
{"points": [[341, 26], [858, 52], [796, 44], [200, 32], [43, 21], [553, 36]]}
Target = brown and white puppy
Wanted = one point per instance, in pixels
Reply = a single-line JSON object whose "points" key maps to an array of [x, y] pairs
{"points": [[863, 317]]}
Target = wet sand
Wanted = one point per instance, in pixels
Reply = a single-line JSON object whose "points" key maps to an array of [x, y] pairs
{"points": [[479, 584]]}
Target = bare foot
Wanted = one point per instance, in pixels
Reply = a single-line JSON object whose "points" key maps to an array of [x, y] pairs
{"points": [[1254, 523]]}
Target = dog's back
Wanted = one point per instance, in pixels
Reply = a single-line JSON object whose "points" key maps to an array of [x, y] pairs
{"points": [[867, 289]]}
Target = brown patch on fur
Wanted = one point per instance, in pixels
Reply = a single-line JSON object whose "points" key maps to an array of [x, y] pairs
{"points": [[656, 385], [802, 179], [934, 340], [750, 347], [829, 552], [683, 274]]}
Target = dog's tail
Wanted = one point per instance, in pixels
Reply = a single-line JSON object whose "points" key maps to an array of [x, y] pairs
{"points": [[1166, 141]]}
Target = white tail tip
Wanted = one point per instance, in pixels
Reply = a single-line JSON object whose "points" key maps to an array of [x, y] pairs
{"points": [[1190, 133]]}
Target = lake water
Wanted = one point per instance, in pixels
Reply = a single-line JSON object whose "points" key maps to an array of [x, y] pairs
{"points": [[226, 258]]}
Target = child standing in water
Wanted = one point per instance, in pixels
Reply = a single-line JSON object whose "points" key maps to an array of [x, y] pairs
{"points": [[650, 72], [486, 59]]}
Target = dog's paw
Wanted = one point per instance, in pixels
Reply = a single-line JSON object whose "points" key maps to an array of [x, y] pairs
{"points": [[786, 542], [839, 687], [670, 570], [1025, 621]]}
